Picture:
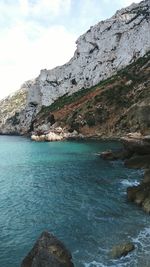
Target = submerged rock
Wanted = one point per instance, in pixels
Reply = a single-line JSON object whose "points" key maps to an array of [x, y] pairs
{"points": [[48, 251], [115, 155], [122, 250]]}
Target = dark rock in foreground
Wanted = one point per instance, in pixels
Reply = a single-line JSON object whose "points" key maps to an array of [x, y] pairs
{"points": [[48, 251], [122, 250]]}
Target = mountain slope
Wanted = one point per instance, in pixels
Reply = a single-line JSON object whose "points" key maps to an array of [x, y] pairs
{"points": [[103, 50], [116, 106], [10, 110]]}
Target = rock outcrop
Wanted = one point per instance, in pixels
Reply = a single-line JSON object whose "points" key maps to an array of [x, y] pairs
{"points": [[136, 155], [139, 146], [48, 251], [108, 109], [11, 110], [55, 134], [103, 50], [122, 250]]}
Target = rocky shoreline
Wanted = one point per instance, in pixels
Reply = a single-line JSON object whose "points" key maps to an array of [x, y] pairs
{"points": [[55, 134], [61, 134], [102, 93], [48, 251], [136, 155]]}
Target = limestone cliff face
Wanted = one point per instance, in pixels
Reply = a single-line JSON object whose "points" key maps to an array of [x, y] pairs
{"points": [[11, 109], [114, 107], [103, 50]]}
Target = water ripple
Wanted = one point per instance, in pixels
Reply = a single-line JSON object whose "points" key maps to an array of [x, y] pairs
{"points": [[69, 190]]}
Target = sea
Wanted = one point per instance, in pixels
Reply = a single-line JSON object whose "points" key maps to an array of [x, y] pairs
{"points": [[68, 190]]}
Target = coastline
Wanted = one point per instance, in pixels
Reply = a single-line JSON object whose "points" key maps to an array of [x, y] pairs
{"points": [[92, 181], [136, 155]]}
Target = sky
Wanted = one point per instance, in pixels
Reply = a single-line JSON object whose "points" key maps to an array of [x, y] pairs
{"points": [[41, 34]]}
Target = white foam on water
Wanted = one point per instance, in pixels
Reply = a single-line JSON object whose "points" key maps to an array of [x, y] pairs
{"points": [[94, 264], [115, 264], [125, 183], [143, 247], [142, 240]]}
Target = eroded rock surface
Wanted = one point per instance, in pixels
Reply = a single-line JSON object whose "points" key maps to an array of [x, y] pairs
{"points": [[48, 251], [122, 250], [139, 146]]}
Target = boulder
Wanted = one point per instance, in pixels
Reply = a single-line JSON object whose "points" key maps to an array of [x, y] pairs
{"points": [[115, 155], [146, 177], [122, 250], [51, 136], [73, 136], [140, 195], [146, 204], [38, 138], [138, 162], [136, 143], [48, 251]]}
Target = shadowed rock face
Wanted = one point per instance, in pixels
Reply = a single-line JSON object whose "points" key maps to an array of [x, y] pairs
{"points": [[48, 251], [136, 143], [140, 147], [138, 162]]}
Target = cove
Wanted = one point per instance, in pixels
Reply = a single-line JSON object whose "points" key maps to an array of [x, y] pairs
{"points": [[67, 189]]}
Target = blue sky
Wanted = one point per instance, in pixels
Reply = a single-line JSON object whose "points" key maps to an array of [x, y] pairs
{"points": [[39, 34]]}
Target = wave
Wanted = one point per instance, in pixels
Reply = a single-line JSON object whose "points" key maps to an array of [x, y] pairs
{"points": [[94, 264], [125, 182]]}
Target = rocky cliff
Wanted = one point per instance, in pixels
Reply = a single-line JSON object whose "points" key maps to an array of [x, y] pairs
{"points": [[114, 107], [101, 52], [11, 109]]}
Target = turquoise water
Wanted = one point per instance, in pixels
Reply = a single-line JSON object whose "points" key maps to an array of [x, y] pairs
{"points": [[66, 188]]}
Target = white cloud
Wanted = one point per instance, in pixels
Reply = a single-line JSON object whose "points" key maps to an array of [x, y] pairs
{"points": [[54, 7], [26, 46], [22, 58], [90, 14], [126, 3], [44, 7]]}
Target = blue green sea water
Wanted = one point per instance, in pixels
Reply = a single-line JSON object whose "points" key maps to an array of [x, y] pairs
{"points": [[67, 189]]}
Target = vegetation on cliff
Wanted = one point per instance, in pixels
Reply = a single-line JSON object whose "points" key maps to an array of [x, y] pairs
{"points": [[115, 106], [11, 108]]}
